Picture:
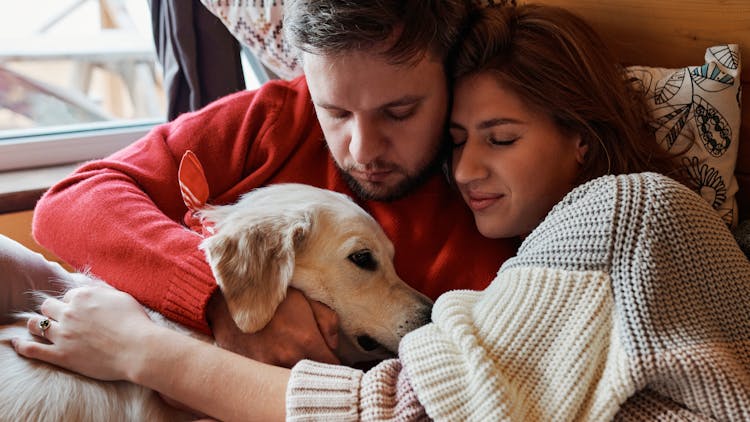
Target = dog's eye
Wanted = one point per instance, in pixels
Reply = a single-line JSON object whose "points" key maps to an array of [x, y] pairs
{"points": [[364, 259]]}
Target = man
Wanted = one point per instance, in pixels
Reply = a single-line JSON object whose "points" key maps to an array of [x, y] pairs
{"points": [[367, 120]]}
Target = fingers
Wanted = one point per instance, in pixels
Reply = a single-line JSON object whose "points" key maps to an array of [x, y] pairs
{"points": [[81, 293], [46, 325], [328, 327], [328, 323], [52, 308], [314, 338], [35, 350], [33, 324], [323, 354]]}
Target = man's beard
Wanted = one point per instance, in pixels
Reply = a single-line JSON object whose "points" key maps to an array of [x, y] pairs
{"points": [[403, 188]]}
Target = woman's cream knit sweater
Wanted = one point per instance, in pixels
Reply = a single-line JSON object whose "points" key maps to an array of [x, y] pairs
{"points": [[630, 301]]}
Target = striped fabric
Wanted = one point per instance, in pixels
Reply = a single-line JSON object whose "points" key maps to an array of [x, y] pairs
{"points": [[193, 184]]}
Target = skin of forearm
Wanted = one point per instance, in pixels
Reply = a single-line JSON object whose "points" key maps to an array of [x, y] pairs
{"points": [[209, 379]]}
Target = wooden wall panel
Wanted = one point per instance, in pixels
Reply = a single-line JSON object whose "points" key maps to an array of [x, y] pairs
{"points": [[666, 33], [17, 226]]}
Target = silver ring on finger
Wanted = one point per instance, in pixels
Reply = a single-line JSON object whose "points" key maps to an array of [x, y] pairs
{"points": [[44, 325]]}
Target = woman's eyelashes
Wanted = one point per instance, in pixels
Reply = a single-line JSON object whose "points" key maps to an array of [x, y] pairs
{"points": [[505, 141], [499, 141]]}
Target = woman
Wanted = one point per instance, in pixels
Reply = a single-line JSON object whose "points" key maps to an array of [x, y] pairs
{"points": [[603, 313]]}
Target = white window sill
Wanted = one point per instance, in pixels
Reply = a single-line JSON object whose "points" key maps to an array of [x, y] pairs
{"points": [[29, 148], [33, 160], [21, 189]]}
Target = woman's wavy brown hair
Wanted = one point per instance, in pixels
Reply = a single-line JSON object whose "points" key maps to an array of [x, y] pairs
{"points": [[558, 65]]}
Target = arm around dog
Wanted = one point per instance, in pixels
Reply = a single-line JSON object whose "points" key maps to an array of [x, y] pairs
{"points": [[111, 325], [134, 197], [211, 380]]}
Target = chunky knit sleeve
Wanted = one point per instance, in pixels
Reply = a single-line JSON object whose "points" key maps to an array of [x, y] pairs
{"points": [[648, 405], [630, 299], [682, 293], [324, 392]]}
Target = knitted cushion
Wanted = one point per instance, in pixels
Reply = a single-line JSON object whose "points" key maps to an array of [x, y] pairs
{"points": [[257, 25]]}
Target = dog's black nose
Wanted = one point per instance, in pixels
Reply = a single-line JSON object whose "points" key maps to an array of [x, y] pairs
{"points": [[367, 343]]}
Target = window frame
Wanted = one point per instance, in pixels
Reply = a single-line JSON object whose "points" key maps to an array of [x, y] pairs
{"points": [[50, 146], [56, 145]]}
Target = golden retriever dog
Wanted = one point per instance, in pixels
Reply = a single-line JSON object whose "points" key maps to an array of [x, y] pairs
{"points": [[279, 236]]}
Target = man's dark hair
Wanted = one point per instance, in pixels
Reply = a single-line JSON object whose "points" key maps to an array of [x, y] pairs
{"points": [[414, 27]]}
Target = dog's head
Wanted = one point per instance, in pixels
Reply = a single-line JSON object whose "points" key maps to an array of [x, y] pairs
{"points": [[322, 243]]}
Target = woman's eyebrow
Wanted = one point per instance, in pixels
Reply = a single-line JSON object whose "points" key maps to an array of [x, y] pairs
{"points": [[486, 124]]}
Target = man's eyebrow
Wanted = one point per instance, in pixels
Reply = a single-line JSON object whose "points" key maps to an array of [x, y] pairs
{"points": [[486, 124], [403, 101], [328, 106]]}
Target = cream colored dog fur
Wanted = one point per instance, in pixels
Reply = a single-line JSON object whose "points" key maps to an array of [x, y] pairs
{"points": [[275, 237]]}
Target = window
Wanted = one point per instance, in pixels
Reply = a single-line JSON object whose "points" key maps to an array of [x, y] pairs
{"points": [[78, 79]]}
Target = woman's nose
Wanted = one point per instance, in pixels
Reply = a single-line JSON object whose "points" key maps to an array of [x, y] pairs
{"points": [[468, 163]]}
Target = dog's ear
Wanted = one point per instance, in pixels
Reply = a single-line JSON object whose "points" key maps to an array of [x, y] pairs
{"points": [[252, 259]]}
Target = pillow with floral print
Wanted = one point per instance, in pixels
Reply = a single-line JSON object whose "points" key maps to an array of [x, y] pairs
{"points": [[697, 110]]}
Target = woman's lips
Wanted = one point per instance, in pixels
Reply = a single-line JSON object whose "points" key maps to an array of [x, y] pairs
{"points": [[481, 201]]}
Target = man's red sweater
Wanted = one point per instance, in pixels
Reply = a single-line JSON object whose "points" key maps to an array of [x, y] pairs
{"points": [[124, 219]]}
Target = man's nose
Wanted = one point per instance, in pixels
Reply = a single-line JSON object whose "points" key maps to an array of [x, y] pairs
{"points": [[367, 142]]}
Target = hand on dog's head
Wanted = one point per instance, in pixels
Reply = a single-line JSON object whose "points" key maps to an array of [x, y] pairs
{"points": [[292, 235], [254, 265]]}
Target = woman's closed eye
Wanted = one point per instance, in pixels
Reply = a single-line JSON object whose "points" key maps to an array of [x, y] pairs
{"points": [[505, 141], [459, 141]]}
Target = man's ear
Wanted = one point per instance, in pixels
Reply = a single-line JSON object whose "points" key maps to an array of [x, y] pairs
{"points": [[582, 148], [252, 259]]}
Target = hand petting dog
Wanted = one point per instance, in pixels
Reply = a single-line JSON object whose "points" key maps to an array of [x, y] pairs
{"points": [[300, 329], [89, 335], [303, 273]]}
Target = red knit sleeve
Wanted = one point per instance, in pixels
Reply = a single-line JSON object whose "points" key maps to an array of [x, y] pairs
{"points": [[121, 217]]}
